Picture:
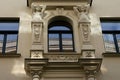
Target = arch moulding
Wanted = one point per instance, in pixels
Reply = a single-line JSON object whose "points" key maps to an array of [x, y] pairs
{"points": [[72, 19]]}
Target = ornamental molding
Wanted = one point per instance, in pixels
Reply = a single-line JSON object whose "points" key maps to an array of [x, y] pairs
{"points": [[62, 58], [58, 2]]}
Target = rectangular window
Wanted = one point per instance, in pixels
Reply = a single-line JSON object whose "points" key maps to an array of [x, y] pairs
{"points": [[111, 34], [8, 35]]}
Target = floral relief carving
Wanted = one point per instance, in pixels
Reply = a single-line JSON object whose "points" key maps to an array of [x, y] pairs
{"points": [[88, 53], [35, 54]]}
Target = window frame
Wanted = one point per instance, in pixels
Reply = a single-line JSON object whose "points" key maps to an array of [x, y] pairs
{"points": [[113, 33], [60, 39], [60, 32], [5, 34]]}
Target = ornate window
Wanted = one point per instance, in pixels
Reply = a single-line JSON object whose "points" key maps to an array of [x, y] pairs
{"points": [[111, 34], [8, 35], [60, 37]]}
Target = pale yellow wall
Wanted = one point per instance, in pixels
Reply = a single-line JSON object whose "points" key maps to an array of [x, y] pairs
{"points": [[13, 68], [110, 69], [106, 8]]}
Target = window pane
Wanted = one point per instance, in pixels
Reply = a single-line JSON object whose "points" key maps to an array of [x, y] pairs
{"points": [[54, 42], [110, 25], [67, 43], [118, 40], [109, 43], [9, 26], [60, 28], [1, 42], [11, 43]]}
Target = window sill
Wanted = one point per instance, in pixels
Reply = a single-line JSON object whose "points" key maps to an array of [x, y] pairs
{"points": [[10, 55], [109, 54]]}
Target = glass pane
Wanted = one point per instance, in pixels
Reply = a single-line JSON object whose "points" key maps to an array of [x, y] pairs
{"points": [[110, 25], [59, 28], [11, 43], [1, 42], [54, 42], [9, 26], [109, 43], [118, 40], [67, 42]]}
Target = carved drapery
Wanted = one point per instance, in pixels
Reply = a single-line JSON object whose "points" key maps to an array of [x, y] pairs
{"points": [[85, 32], [37, 28]]}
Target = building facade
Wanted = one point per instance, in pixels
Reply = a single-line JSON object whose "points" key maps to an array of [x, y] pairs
{"points": [[59, 40]]}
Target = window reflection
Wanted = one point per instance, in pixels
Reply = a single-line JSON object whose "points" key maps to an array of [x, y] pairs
{"points": [[9, 36], [11, 43], [111, 35], [60, 39], [109, 43], [53, 42], [67, 42], [1, 42], [110, 26], [118, 40], [9, 26]]}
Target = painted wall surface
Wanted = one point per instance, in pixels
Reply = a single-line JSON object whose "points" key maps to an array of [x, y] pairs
{"points": [[13, 68]]}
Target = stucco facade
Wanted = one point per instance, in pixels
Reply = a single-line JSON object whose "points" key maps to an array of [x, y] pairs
{"points": [[14, 68]]}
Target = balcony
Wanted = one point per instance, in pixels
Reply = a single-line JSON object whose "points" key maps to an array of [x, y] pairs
{"points": [[62, 60]]}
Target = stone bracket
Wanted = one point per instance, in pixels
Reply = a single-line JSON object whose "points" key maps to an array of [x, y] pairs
{"points": [[91, 66], [35, 66]]}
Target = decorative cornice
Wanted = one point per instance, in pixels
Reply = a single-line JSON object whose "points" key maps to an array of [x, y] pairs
{"points": [[29, 2]]}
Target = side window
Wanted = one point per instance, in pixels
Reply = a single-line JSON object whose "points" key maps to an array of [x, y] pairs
{"points": [[9, 35], [60, 39], [111, 34]]}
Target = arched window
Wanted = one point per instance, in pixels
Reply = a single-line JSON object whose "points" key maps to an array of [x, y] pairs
{"points": [[60, 37]]}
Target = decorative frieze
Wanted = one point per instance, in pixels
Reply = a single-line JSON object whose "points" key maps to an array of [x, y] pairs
{"points": [[62, 58]]}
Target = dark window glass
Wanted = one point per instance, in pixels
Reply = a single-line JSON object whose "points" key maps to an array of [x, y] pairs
{"points": [[111, 35]]}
